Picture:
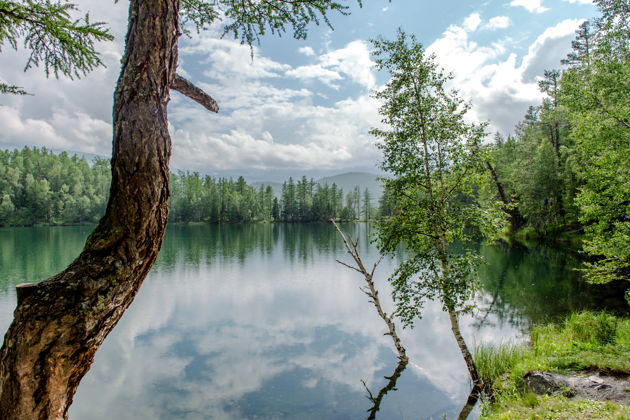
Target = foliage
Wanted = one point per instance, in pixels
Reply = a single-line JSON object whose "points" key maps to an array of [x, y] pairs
{"points": [[249, 20], [536, 166], [38, 186], [598, 97], [544, 407], [566, 169], [434, 161], [56, 41], [496, 361], [596, 329], [584, 340]]}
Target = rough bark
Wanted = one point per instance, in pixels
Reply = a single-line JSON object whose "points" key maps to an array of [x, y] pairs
{"points": [[60, 322], [184, 87]]}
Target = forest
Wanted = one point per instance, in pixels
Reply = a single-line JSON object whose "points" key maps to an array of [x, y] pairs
{"points": [[38, 186]]}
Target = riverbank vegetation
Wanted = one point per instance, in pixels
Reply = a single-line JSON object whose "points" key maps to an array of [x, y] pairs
{"points": [[565, 170], [584, 343]]}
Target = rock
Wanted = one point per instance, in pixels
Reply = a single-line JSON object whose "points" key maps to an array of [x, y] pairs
{"points": [[597, 386], [543, 382]]}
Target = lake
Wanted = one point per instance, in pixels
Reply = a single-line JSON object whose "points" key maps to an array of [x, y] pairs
{"points": [[258, 321]]}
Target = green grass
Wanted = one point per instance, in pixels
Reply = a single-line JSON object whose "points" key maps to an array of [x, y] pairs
{"points": [[496, 361], [585, 340], [536, 407]]}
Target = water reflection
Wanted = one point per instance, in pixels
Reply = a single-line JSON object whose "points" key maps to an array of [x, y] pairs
{"points": [[259, 321], [538, 284], [389, 386]]}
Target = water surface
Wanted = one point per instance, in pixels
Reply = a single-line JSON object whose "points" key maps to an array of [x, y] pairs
{"points": [[259, 322]]}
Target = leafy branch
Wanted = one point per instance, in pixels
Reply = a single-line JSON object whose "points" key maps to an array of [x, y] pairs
{"points": [[57, 42]]}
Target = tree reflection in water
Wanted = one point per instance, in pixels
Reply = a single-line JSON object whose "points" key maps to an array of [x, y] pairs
{"points": [[473, 397], [390, 386]]}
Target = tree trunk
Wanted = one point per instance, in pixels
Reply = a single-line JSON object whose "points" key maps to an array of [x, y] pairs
{"points": [[516, 220], [463, 348], [60, 323]]}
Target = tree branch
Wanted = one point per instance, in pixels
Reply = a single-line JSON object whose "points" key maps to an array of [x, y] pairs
{"points": [[370, 289], [186, 88]]}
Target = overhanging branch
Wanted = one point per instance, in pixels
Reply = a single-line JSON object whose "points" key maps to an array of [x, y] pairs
{"points": [[186, 88]]}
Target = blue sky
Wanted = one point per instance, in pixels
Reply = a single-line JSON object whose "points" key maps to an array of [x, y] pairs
{"points": [[302, 107]]}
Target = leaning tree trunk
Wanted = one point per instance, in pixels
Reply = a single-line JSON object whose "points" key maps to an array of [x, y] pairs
{"points": [[463, 348], [60, 323]]}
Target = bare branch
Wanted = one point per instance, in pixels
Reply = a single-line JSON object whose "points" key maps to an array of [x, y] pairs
{"points": [[186, 88], [376, 265], [349, 266], [370, 289]]}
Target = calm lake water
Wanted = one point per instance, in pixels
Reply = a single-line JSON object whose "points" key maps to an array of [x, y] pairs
{"points": [[259, 322]]}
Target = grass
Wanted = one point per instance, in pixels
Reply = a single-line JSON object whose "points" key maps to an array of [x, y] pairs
{"points": [[584, 341], [496, 361], [536, 407]]}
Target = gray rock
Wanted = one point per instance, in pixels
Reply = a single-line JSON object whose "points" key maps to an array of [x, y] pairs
{"points": [[595, 386]]}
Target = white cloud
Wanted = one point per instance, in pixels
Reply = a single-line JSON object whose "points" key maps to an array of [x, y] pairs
{"points": [[73, 115], [353, 62], [230, 59], [532, 6], [549, 48], [309, 136], [279, 127], [317, 72], [276, 110], [308, 51], [497, 22], [76, 131], [500, 87], [472, 22], [579, 1]]}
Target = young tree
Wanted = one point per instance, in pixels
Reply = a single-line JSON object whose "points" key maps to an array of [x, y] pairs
{"points": [[60, 322], [433, 158]]}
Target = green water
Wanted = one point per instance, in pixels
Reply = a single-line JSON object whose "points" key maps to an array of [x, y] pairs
{"points": [[259, 321]]}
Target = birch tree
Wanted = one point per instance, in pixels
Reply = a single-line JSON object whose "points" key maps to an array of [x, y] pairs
{"points": [[433, 160]]}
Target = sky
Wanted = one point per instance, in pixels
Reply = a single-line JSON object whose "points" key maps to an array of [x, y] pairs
{"points": [[300, 107]]}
